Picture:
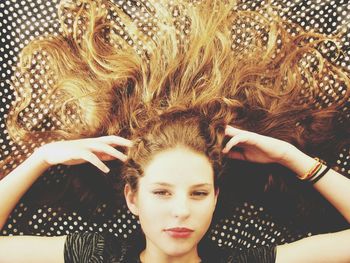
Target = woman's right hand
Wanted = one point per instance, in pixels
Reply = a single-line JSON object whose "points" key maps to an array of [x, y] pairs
{"points": [[92, 150]]}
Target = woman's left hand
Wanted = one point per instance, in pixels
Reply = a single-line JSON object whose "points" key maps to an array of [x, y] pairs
{"points": [[254, 147]]}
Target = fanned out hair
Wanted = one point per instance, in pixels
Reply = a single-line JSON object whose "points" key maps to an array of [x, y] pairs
{"points": [[115, 72]]}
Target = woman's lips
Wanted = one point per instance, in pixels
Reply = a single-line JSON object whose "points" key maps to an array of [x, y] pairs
{"points": [[179, 232]]}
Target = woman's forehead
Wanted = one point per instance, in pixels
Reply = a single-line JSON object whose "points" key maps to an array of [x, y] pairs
{"points": [[179, 165]]}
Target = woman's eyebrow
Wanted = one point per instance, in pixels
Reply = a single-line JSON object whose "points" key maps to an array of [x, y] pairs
{"points": [[162, 184], [170, 185], [201, 185]]}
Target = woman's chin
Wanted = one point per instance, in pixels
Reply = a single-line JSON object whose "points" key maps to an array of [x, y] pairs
{"points": [[179, 250]]}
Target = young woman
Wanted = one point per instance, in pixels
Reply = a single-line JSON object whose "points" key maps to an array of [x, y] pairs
{"points": [[172, 176], [114, 73]]}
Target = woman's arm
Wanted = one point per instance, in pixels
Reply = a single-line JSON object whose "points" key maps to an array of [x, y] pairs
{"points": [[92, 150], [263, 149], [16, 183], [332, 247], [333, 186], [32, 249], [25, 248], [324, 248]]}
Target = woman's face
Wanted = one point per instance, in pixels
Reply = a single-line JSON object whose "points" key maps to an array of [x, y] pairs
{"points": [[175, 201]]}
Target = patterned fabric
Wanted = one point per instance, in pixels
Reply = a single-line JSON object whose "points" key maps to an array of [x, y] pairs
{"points": [[246, 223], [93, 247]]}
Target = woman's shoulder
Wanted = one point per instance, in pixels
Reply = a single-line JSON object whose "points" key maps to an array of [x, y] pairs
{"points": [[262, 254], [96, 247]]}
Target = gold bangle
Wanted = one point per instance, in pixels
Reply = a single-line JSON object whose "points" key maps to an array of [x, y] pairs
{"points": [[314, 170]]}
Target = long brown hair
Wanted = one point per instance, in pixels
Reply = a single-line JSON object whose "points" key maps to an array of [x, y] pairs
{"points": [[110, 71]]}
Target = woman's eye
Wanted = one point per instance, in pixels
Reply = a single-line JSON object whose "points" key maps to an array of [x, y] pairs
{"points": [[161, 192], [200, 193]]}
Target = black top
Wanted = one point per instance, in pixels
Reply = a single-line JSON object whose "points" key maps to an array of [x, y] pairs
{"points": [[97, 248]]}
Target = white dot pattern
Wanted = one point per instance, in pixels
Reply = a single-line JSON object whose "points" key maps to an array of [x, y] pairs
{"points": [[250, 225]]}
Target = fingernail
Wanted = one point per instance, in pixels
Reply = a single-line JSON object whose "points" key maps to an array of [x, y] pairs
{"points": [[106, 170]]}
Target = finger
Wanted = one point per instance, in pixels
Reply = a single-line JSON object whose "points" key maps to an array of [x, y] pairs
{"points": [[117, 155], [108, 150], [115, 140], [94, 160], [232, 131], [105, 157], [240, 138], [236, 155]]}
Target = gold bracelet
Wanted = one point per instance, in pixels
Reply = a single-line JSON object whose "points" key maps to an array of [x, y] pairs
{"points": [[314, 170]]}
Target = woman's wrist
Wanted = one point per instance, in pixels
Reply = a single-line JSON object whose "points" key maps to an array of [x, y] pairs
{"points": [[297, 161], [38, 157]]}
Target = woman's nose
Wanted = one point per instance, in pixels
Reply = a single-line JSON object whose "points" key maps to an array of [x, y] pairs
{"points": [[181, 207]]}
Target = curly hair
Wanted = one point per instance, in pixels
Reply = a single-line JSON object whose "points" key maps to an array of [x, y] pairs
{"points": [[110, 73], [196, 129]]}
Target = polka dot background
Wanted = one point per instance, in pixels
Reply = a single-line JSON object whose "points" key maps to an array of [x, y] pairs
{"points": [[249, 223]]}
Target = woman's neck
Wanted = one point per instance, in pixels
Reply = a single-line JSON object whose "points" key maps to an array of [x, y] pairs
{"points": [[152, 256]]}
